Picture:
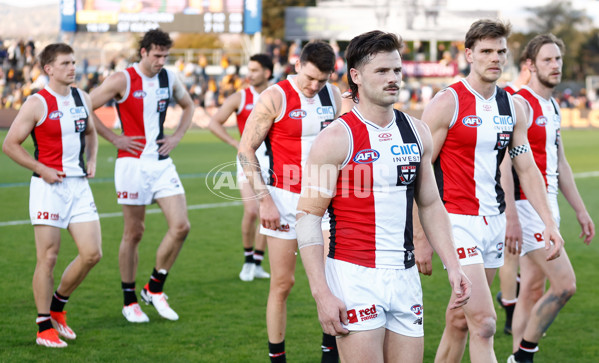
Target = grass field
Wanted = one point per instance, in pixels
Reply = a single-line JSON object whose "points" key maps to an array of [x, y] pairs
{"points": [[222, 319]]}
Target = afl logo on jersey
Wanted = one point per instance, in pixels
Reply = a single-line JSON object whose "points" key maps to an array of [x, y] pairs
{"points": [[416, 309], [298, 114], [55, 115], [541, 121], [472, 121], [367, 156], [139, 94]]}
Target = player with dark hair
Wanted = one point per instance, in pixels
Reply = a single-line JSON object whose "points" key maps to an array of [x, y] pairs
{"points": [[144, 172], [287, 118], [367, 168], [474, 123], [260, 68], [57, 118], [534, 315]]}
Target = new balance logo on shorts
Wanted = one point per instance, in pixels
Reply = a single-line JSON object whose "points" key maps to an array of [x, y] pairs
{"points": [[362, 314]]}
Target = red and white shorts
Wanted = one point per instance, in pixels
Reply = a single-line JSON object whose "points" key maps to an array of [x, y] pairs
{"points": [[286, 203], [376, 297], [61, 204], [142, 181], [532, 225], [479, 239]]}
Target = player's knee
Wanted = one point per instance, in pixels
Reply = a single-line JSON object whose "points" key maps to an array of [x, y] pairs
{"points": [[48, 261], [567, 292], [181, 229], [484, 326], [458, 322], [251, 213], [134, 235], [282, 286], [91, 259]]}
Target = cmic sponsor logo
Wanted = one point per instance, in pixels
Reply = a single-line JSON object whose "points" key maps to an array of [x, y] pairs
{"points": [[326, 110], [78, 112], [354, 316], [162, 93], [385, 136], [417, 309], [405, 149], [472, 121], [55, 115], [139, 94], [298, 114], [366, 156], [541, 121], [503, 120]]}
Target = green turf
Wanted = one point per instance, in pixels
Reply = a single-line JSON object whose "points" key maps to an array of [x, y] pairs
{"points": [[221, 318]]}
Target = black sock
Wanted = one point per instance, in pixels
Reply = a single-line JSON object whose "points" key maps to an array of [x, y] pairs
{"points": [[526, 351], [157, 279], [330, 354], [249, 254], [276, 352], [509, 313], [129, 292], [58, 302], [43, 322], [258, 257]]}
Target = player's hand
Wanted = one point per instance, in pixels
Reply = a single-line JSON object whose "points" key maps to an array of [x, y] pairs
{"points": [[331, 314], [513, 236], [167, 144], [461, 288], [553, 235], [423, 252], [91, 169], [588, 227], [52, 176], [269, 214], [130, 144]]}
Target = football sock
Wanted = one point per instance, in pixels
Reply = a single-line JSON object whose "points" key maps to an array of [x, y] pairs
{"points": [[276, 352], [509, 311], [330, 354], [258, 257], [58, 302], [249, 254], [526, 351], [129, 292], [157, 279], [43, 322]]}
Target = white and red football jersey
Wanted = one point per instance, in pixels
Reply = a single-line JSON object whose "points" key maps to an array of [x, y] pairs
{"points": [[293, 132], [59, 136], [467, 167], [142, 110], [249, 97], [371, 212], [543, 134]]}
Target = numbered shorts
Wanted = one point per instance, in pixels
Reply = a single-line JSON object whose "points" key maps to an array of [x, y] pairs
{"points": [[61, 204], [479, 239], [264, 162], [286, 203], [532, 225], [142, 181], [377, 297]]}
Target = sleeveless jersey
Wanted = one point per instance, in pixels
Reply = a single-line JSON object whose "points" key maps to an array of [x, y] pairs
{"points": [[371, 213], [248, 97], [510, 89], [467, 167], [543, 136], [59, 137], [142, 110], [293, 132]]}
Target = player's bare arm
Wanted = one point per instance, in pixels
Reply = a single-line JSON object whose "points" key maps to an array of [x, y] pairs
{"points": [[437, 116], [338, 101], [567, 185], [435, 221], [257, 127], [318, 184], [91, 141], [532, 182], [217, 121], [29, 115], [113, 88], [169, 142]]}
